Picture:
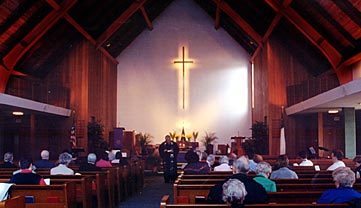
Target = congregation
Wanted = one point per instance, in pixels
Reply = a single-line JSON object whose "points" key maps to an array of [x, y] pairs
{"points": [[249, 181]]}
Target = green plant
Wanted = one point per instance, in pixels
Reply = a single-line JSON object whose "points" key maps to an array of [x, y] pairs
{"points": [[144, 140], [258, 143], [209, 138], [96, 142]]}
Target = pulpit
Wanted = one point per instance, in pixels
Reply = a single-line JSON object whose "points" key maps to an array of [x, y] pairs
{"points": [[238, 148]]}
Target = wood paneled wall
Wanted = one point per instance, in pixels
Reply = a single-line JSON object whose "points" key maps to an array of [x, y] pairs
{"points": [[90, 82], [275, 69]]}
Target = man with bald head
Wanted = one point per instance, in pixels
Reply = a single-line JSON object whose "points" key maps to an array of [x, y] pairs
{"points": [[44, 162]]}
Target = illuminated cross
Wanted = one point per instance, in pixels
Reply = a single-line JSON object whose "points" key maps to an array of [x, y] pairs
{"points": [[183, 62]]}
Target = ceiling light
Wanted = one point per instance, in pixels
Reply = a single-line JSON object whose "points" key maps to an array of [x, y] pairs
{"points": [[18, 113], [108, 45], [332, 111]]}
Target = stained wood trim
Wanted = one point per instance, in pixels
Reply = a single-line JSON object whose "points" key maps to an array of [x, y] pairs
{"points": [[330, 53], [119, 22], [239, 21], [344, 74]]}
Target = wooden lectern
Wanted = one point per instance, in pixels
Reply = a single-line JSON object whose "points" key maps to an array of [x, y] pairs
{"points": [[239, 148]]}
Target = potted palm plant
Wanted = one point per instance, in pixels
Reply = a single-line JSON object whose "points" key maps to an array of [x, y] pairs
{"points": [[208, 140], [144, 140]]}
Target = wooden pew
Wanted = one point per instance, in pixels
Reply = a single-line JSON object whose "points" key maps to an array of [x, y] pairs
{"points": [[63, 194], [83, 187], [165, 204], [193, 190], [99, 187], [118, 180], [13, 202]]}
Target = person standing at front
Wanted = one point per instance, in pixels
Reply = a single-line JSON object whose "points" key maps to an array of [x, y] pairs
{"points": [[168, 151]]}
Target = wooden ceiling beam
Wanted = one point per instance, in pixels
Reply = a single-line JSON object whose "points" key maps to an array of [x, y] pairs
{"points": [[343, 71], [331, 54], [239, 21], [147, 20], [119, 22], [270, 29], [349, 10], [16, 53], [81, 30]]}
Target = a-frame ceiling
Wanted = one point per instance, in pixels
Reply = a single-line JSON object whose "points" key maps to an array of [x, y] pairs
{"points": [[35, 34]]}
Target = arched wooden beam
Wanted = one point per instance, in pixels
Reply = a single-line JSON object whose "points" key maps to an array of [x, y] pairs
{"points": [[343, 71], [330, 53], [238, 20], [120, 21], [11, 59]]}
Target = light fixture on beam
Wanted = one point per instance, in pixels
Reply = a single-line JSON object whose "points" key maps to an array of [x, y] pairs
{"points": [[18, 113], [333, 111]]}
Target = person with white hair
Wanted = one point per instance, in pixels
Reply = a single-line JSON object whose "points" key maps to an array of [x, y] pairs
{"points": [[263, 170], [90, 164], [210, 160], [344, 179], [256, 193], [224, 166], [8, 161], [234, 193], [62, 169], [44, 162]]}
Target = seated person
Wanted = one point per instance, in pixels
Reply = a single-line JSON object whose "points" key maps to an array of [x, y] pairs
{"points": [[44, 162], [210, 160], [26, 176], [234, 193], [344, 179], [256, 194], [283, 171], [65, 159], [8, 161], [357, 161], [223, 160], [263, 170], [90, 165], [194, 166], [305, 161], [254, 161], [104, 160], [336, 157]]}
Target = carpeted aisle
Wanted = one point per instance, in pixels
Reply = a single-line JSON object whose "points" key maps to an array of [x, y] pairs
{"points": [[150, 196]]}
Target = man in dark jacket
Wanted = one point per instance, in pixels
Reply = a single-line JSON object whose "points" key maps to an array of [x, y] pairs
{"points": [[90, 165], [26, 176], [256, 194], [168, 151]]}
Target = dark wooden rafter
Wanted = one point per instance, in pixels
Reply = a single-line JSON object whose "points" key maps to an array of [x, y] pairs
{"points": [[239, 21], [331, 54], [121, 20], [333, 22], [218, 15], [11, 59], [81, 30], [350, 10], [270, 29]]}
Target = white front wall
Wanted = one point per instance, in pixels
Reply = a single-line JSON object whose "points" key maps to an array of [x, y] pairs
{"points": [[149, 84]]}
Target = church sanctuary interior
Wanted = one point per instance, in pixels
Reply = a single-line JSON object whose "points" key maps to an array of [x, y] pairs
{"points": [[266, 77]]}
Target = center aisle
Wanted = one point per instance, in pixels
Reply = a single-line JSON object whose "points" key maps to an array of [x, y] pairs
{"points": [[150, 196]]}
